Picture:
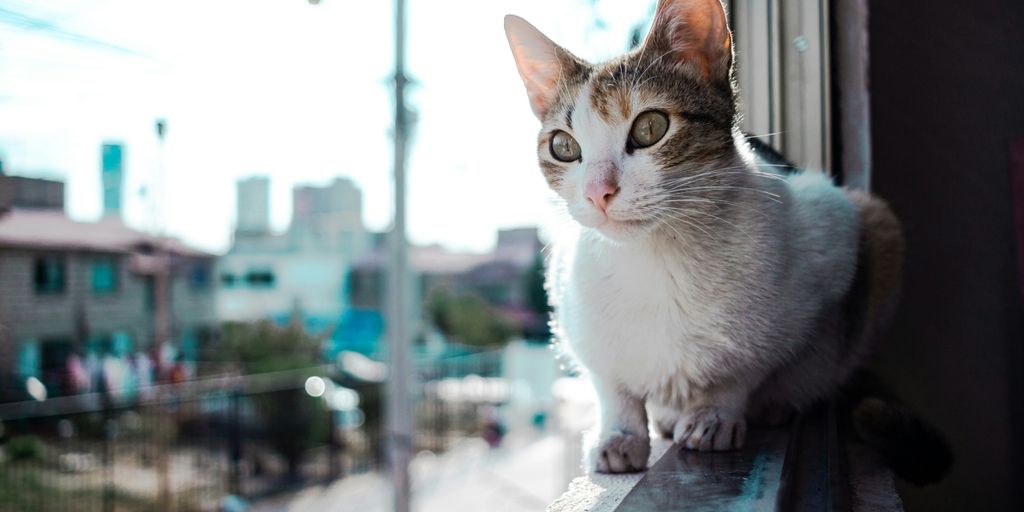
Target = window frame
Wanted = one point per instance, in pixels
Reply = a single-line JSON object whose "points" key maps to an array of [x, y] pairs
{"points": [[803, 82], [200, 276], [39, 258], [267, 281], [115, 268]]}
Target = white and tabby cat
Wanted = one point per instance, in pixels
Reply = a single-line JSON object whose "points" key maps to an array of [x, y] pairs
{"points": [[705, 287]]}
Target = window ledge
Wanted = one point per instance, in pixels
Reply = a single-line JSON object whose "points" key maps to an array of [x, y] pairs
{"points": [[810, 465], [598, 492]]}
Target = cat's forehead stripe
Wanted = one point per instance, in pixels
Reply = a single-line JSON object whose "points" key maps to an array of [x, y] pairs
{"points": [[611, 91]]}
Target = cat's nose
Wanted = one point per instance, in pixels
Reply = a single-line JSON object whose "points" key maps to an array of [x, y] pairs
{"points": [[601, 191]]}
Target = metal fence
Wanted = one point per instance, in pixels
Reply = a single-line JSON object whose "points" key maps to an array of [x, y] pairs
{"points": [[181, 448], [197, 445]]}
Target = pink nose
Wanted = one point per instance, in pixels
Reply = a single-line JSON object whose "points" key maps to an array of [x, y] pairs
{"points": [[600, 192]]}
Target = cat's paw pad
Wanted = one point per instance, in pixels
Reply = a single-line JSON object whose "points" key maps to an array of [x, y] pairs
{"points": [[621, 452], [710, 430]]}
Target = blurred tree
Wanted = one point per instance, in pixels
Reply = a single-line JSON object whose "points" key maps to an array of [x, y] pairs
{"points": [[467, 318], [537, 300], [293, 421], [25, 447]]}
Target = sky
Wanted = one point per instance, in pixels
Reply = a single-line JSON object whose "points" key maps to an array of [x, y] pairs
{"points": [[290, 90]]}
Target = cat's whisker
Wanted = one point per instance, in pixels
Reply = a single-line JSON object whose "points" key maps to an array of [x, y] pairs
{"points": [[652, 63], [733, 187], [666, 224], [690, 221], [720, 172], [741, 230], [727, 170], [738, 206], [632, 84], [683, 188], [712, 186], [679, 215], [760, 135]]}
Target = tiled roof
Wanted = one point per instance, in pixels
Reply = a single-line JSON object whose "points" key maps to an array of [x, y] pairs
{"points": [[431, 259], [50, 229]]}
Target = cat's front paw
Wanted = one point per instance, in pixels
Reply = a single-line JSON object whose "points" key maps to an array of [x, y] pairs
{"points": [[710, 429], [620, 452]]}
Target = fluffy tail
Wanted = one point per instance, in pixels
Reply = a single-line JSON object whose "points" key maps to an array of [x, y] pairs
{"points": [[915, 450]]}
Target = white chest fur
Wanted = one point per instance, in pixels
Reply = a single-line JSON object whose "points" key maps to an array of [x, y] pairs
{"points": [[631, 314]]}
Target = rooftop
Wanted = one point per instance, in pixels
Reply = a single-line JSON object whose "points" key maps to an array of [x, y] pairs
{"points": [[51, 229]]}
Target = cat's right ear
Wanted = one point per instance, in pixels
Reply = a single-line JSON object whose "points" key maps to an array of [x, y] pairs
{"points": [[694, 34], [540, 62]]}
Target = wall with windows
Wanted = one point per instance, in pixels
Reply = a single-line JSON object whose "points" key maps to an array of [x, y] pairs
{"points": [[51, 299], [261, 286]]}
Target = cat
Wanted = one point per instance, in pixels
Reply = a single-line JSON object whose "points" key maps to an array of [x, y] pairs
{"points": [[705, 287]]}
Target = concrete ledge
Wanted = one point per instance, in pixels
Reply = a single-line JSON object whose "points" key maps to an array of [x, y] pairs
{"points": [[603, 493], [812, 464]]}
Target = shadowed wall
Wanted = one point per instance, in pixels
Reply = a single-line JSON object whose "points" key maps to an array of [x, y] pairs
{"points": [[947, 97]]}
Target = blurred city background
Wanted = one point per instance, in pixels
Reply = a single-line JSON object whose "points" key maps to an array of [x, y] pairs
{"points": [[196, 203]]}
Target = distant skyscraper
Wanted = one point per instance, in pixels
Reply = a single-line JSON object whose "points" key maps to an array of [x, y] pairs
{"points": [[112, 176], [329, 217], [303, 271], [253, 206]]}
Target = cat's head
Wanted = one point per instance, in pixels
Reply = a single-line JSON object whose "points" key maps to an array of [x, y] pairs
{"points": [[620, 138]]}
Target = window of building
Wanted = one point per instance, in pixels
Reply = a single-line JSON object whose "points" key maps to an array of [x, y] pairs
{"points": [[104, 275], [227, 280], [49, 274], [262, 278], [149, 291], [98, 345], [199, 276], [53, 365]]}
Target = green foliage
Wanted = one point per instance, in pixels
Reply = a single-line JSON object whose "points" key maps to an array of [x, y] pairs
{"points": [[467, 318], [25, 448], [536, 294], [537, 300], [32, 487], [292, 420], [261, 347]]}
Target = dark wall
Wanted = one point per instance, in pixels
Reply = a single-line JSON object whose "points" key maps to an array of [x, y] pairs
{"points": [[947, 97]]}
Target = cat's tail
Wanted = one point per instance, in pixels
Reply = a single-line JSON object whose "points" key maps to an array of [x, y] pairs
{"points": [[915, 450]]}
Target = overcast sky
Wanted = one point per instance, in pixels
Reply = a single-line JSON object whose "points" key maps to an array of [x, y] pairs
{"points": [[293, 91]]}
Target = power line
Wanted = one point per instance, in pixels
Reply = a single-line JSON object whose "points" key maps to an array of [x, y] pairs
{"points": [[36, 24]]}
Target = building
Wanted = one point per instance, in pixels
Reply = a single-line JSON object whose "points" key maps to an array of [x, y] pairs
{"points": [[302, 271], [329, 218], [31, 193], [501, 277], [112, 178], [88, 289], [253, 207]]}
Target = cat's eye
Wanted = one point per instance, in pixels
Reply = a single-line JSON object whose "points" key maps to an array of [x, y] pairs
{"points": [[564, 148], [648, 128]]}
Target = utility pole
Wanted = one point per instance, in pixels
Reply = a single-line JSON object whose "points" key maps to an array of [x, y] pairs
{"points": [[399, 403], [399, 409], [161, 317]]}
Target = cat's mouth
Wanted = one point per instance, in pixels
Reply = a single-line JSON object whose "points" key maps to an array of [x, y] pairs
{"points": [[623, 229]]}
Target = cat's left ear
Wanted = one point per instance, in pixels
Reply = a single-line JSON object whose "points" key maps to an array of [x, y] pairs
{"points": [[542, 64], [695, 35]]}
